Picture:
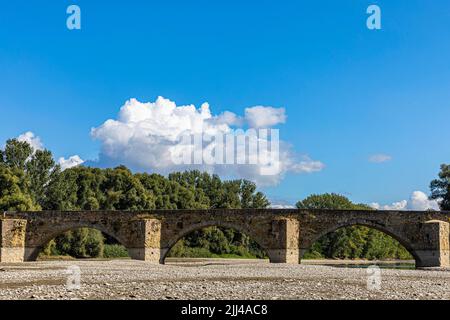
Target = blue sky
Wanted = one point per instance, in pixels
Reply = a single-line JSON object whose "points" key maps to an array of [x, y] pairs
{"points": [[349, 92]]}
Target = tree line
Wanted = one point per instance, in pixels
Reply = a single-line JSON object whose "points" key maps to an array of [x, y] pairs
{"points": [[30, 180]]}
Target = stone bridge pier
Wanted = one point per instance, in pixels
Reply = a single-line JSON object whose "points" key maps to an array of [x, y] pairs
{"points": [[285, 235]]}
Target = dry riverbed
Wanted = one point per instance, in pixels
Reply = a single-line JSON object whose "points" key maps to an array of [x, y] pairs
{"points": [[214, 279]]}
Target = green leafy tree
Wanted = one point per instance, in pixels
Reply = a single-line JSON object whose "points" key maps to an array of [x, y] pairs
{"points": [[34, 168], [41, 169], [79, 243], [249, 198], [14, 191], [15, 183], [17, 153], [440, 188], [124, 191], [172, 195], [62, 191], [330, 201]]}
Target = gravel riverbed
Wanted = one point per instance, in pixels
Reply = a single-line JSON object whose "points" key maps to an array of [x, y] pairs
{"points": [[214, 279]]}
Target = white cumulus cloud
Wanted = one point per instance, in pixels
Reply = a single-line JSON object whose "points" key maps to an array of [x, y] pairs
{"points": [[146, 136], [228, 118], [71, 162], [34, 141], [264, 117], [418, 201]]}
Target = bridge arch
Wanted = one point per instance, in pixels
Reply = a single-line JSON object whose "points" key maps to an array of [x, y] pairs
{"points": [[372, 224], [34, 245], [206, 224]]}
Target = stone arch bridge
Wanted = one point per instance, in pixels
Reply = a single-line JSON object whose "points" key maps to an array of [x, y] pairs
{"points": [[284, 234]]}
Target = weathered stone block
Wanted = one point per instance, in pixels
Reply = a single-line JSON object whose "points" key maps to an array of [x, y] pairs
{"points": [[12, 240], [147, 245], [286, 244], [152, 255]]}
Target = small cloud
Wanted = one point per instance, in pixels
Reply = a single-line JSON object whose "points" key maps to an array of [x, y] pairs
{"points": [[380, 158], [281, 206], [228, 118], [264, 117], [375, 205], [401, 205], [73, 161], [418, 201], [34, 141], [307, 165]]}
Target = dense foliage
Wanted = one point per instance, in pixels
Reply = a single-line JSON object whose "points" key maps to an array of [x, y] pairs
{"points": [[217, 242], [440, 188], [79, 243], [24, 176]]}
